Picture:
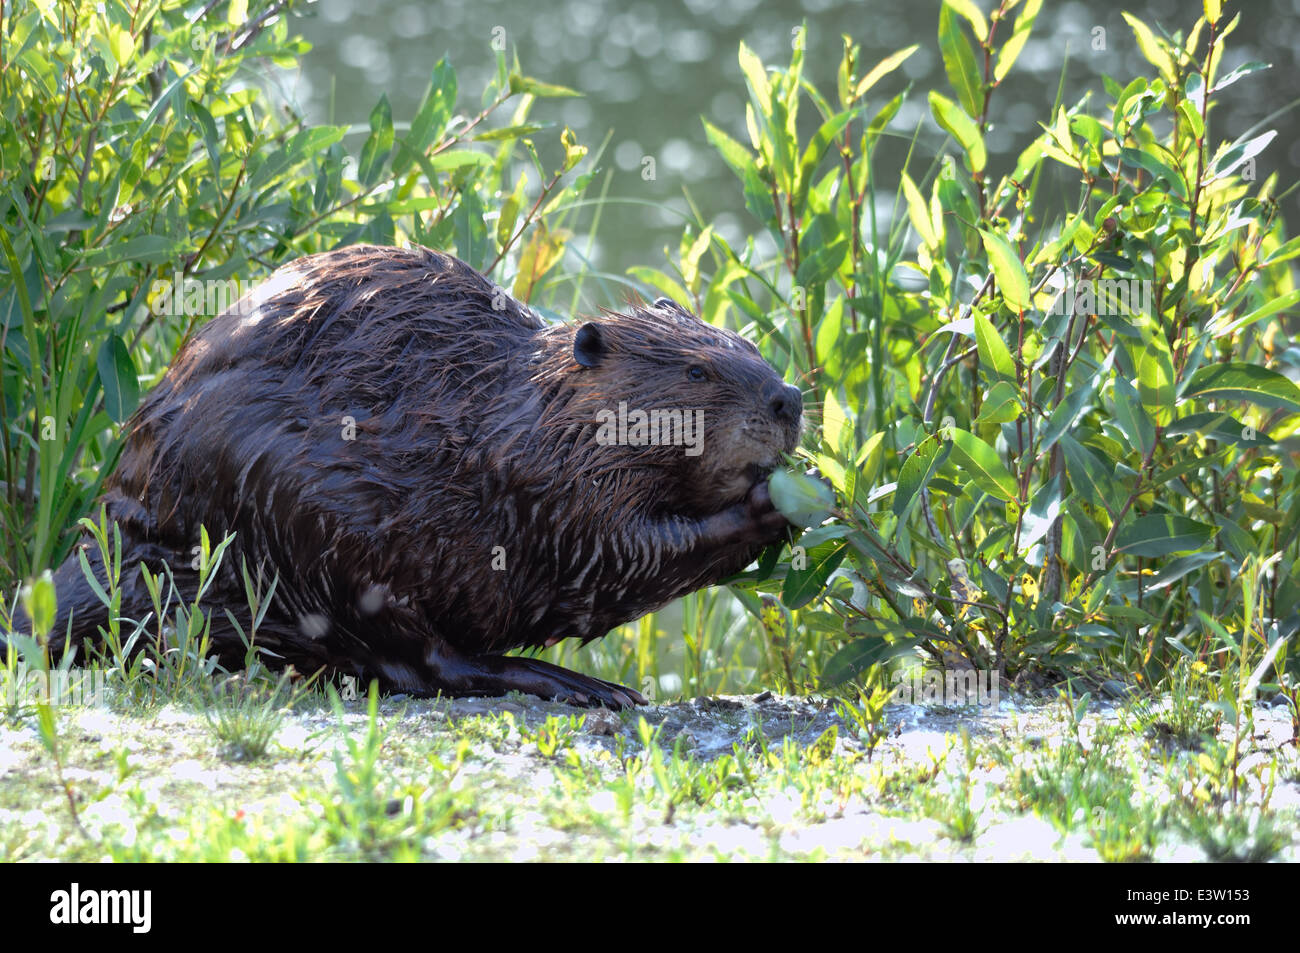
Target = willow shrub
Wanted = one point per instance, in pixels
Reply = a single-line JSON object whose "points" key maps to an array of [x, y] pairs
{"points": [[1056, 442], [147, 175]]}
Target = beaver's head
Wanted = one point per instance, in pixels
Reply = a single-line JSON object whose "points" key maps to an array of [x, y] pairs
{"points": [[694, 401]]}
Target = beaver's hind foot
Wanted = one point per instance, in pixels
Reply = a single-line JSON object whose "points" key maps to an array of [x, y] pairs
{"points": [[535, 677], [456, 674]]}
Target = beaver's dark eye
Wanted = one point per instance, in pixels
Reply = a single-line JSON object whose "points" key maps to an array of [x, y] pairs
{"points": [[696, 373]]}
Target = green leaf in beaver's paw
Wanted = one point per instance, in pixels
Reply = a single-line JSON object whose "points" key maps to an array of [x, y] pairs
{"points": [[803, 500]]}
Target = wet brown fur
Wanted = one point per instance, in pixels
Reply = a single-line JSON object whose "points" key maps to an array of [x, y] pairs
{"points": [[475, 429]]}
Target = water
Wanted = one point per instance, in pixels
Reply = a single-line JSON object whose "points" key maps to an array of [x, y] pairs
{"points": [[650, 70]]}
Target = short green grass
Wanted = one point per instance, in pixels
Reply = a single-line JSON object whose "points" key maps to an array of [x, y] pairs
{"points": [[180, 761], [518, 779]]}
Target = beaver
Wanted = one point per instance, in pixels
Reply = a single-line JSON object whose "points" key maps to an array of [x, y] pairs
{"points": [[434, 475]]}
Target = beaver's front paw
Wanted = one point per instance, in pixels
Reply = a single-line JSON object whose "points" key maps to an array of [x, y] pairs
{"points": [[754, 521], [767, 522]]}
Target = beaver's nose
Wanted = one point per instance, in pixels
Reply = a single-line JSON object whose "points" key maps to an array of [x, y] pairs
{"points": [[786, 402]]}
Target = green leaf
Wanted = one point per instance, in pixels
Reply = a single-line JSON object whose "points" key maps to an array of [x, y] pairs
{"points": [[88, 575], [883, 68], [535, 87], [782, 142], [1288, 530], [915, 475], [733, 153], [979, 26], [1238, 154], [1284, 252], [143, 249], [1160, 534], [981, 463], [1001, 405], [434, 111], [1011, 49], [871, 456], [1155, 375], [821, 140], [471, 232], [458, 158], [801, 586], [1187, 109], [40, 604], [203, 119], [1044, 510], [1068, 411], [666, 285], [882, 119], [122, 44], [862, 653], [803, 500], [118, 375], [510, 132], [836, 427], [573, 151], [756, 76], [1239, 542], [956, 202], [1261, 512], [1130, 614], [1220, 426], [918, 211], [758, 198], [308, 142], [820, 265], [1151, 48], [1245, 69], [1132, 418], [1159, 169], [378, 146], [1280, 303], [995, 357], [1259, 385], [959, 63], [430, 118], [690, 258], [960, 127], [1060, 133], [1178, 568], [543, 252], [1089, 477], [1013, 283], [510, 210]]}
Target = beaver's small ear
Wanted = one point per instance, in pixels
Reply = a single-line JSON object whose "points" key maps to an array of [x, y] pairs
{"points": [[671, 307], [588, 345], [673, 310]]}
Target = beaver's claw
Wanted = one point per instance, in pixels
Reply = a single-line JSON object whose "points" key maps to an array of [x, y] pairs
{"points": [[535, 677]]}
